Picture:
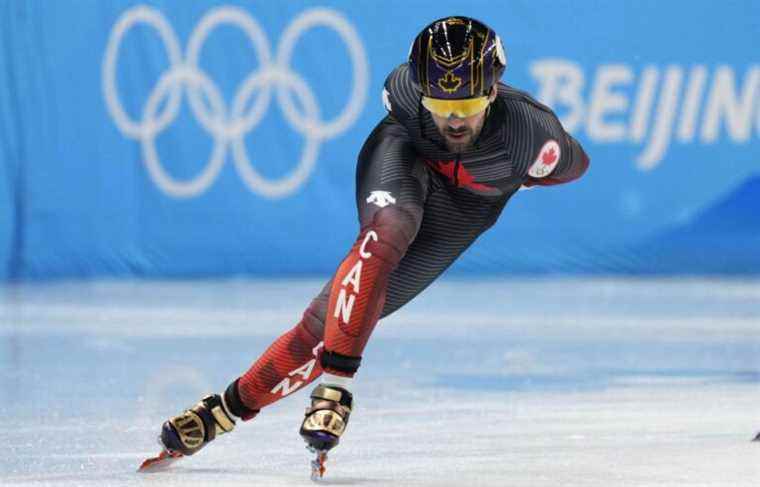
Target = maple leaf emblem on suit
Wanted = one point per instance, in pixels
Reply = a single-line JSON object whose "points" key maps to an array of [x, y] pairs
{"points": [[547, 159]]}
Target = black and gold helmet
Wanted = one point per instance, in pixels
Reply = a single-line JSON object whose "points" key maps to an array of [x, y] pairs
{"points": [[456, 58]]}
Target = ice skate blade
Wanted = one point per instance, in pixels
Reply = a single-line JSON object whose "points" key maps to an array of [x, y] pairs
{"points": [[160, 462], [318, 468]]}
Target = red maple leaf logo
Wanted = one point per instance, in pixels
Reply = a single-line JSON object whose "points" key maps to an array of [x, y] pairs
{"points": [[463, 176], [446, 168], [548, 157]]}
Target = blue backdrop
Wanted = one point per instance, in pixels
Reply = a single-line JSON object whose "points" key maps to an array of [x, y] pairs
{"points": [[199, 138]]}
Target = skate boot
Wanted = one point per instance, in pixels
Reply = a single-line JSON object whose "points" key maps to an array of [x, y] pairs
{"points": [[325, 422], [190, 431]]}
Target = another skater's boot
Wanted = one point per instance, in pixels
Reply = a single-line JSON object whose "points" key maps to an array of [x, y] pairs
{"points": [[325, 422], [190, 431]]}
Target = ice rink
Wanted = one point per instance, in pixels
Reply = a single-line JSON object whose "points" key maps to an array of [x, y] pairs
{"points": [[560, 382]]}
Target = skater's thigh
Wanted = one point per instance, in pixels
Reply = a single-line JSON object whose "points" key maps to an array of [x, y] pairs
{"points": [[453, 219], [389, 179]]}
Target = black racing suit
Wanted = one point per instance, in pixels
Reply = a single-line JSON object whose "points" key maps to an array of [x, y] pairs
{"points": [[431, 204], [420, 206]]}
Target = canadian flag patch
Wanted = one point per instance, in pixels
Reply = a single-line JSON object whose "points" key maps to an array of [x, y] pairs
{"points": [[547, 160]]}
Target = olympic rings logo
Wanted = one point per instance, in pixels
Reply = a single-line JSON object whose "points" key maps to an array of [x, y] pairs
{"points": [[228, 127]]}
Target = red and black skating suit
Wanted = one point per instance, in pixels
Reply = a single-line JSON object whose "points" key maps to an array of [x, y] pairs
{"points": [[420, 206]]}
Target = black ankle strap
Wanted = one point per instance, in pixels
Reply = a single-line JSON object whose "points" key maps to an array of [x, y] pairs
{"points": [[235, 404]]}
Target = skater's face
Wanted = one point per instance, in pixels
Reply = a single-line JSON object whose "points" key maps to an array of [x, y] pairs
{"points": [[460, 129]]}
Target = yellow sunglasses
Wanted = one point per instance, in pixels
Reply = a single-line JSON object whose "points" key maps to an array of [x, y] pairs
{"points": [[459, 108]]}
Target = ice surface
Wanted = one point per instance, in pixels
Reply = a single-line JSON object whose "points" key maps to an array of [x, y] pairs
{"points": [[560, 382]]}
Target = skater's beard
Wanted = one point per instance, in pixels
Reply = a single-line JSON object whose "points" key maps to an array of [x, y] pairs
{"points": [[459, 139], [460, 134]]}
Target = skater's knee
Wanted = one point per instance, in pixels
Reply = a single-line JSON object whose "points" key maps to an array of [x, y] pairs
{"points": [[313, 320], [394, 230]]}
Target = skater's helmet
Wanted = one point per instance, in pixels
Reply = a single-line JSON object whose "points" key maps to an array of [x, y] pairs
{"points": [[455, 61]]}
